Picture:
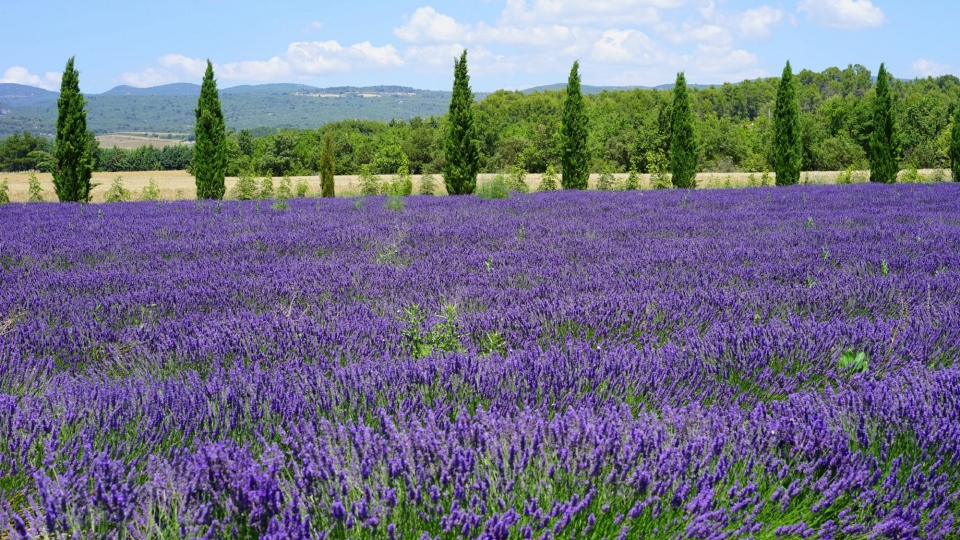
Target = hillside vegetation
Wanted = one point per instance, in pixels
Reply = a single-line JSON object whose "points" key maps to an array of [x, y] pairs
{"points": [[627, 128]]}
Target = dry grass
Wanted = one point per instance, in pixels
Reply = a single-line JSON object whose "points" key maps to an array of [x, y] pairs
{"points": [[133, 140], [176, 185]]}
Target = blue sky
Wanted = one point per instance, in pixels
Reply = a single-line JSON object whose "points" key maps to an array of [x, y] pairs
{"points": [[512, 43]]}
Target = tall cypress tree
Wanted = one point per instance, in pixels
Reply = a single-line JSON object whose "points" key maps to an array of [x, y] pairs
{"points": [[575, 160], [462, 154], [71, 175], [884, 141], [787, 142], [326, 167], [955, 144], [683, 143], [210, 148]]}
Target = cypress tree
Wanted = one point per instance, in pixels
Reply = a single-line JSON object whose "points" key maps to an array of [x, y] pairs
{"points": [[210, 148], [73, 168], [955, 144], [884, 141], [788, 145], [461, 152], [683, 143], [575, 160], [326, 167]]}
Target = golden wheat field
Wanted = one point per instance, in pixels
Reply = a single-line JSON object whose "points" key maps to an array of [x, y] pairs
{"points": [[177, 185]]}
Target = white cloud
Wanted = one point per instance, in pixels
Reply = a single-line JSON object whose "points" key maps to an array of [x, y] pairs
{"points": [[193, 67], [928, 68], [20, 75], [756, 23], [586, 12], [254, 70], [847, 14], [316, 57], [623, 46], [313, 25], [426, 25], [148, 77], [302, 59]]}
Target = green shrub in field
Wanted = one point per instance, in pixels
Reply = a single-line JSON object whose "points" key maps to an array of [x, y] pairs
{"points": [[369, 182], [938, 175], [498, 188], [845, 177], [151, 191], [285, 191], [401, 185], [280, 205], [518, 177], [659, 177], [548, 182], [606, 182], [117, 193], [246, 188], [633, 180], [912, 176], [302, 188], [266, 188], [34, 191], [4, 192], [427, 184]]}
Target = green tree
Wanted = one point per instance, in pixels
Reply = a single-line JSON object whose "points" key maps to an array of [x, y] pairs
{"points": [[884, 141], [210, 148], [575, 160], [683, 143], [461, 150], [787, 139], [327, 167], [955, 144], [73, 168]]}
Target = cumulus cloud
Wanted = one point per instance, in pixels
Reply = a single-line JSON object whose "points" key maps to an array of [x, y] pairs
{"points": [[20, 75], [426, 25], [756, 23], [623, 46], [148, 77], [928, 68], [302, 59], [254, 70], [587, 12], [193, 67], [316, 57], [846, 14]]}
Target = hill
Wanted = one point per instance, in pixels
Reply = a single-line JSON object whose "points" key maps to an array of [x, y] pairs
{"points": [[170, 108], [587, 89], [19, 95], [175, 89]]}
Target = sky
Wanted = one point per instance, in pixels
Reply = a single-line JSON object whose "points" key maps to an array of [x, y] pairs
{"points": [[511, 44]]}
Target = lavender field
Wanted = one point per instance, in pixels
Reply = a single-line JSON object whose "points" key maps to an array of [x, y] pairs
{"points": [[758, 363]]}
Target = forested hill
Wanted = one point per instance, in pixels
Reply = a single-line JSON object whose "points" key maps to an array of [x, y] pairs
{"points": [[170, 108]]}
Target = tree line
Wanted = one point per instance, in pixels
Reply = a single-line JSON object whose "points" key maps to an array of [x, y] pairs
{"points": [[834, 120]]}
